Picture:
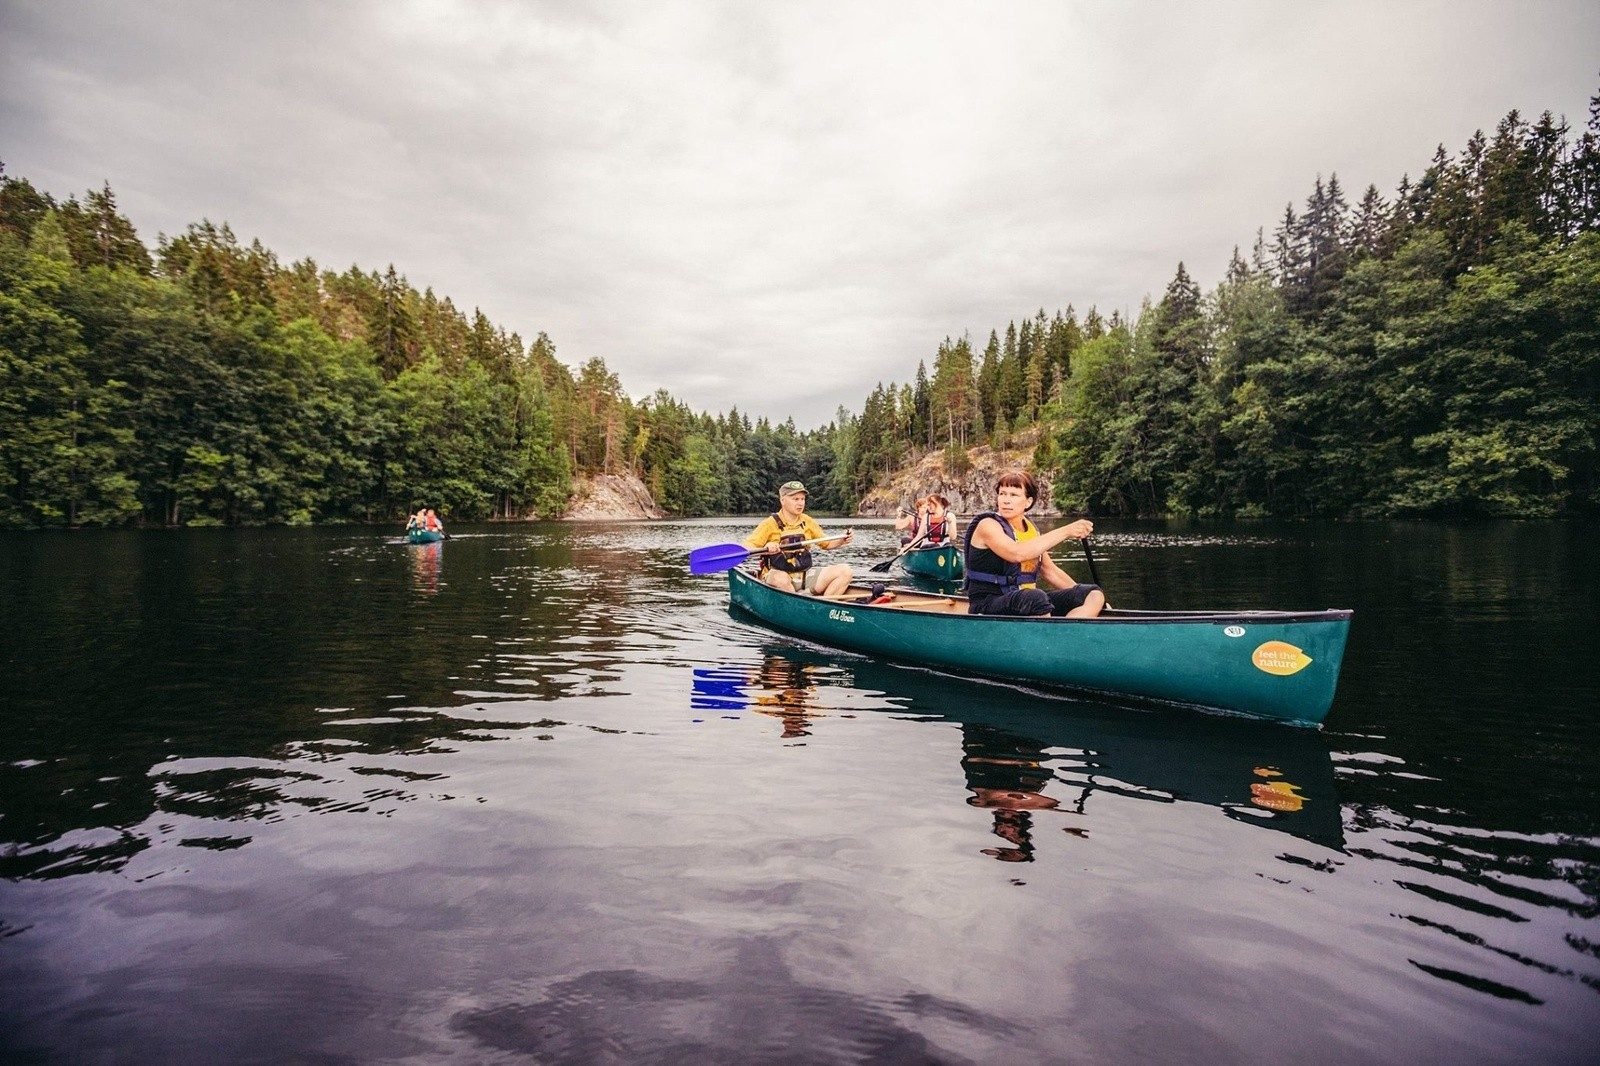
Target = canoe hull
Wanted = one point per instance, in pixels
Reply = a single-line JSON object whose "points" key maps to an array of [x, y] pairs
{"points": [[1277, 665], [943, 563], [423, 536]]}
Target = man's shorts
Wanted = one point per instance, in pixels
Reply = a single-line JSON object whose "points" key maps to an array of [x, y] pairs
{"points": [[806, 582]]}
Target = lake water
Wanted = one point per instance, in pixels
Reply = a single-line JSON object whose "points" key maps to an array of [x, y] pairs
{"points": [[533, 793]]}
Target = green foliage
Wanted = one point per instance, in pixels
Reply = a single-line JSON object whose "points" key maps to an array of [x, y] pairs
{"points": [[1433, 354], [59, 423], [1436, 352], [210, 385]]}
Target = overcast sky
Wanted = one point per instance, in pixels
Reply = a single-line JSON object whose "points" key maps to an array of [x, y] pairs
{"points": [[768, 205]]}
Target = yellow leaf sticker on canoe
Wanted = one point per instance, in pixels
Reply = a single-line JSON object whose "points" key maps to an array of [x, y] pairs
{"points": [[1276, 657]]}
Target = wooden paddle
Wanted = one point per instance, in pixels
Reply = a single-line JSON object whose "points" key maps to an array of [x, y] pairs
{"points": [[883, 567], [715, 558]]}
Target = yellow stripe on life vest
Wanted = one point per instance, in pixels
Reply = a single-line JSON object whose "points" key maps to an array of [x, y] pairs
{"points": [[1030, 568]]}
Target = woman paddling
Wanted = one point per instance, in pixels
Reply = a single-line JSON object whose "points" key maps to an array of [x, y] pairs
{"points": [[1007, 557]]}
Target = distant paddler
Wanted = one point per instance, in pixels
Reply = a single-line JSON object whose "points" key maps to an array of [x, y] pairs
{"points": [[424, 527], [930, 522]]}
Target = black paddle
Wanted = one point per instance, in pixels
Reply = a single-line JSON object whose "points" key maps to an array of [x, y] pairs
{"points": [[1088, 556], [883, 567]]}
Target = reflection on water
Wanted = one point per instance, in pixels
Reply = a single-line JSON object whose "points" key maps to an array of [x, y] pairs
{"points": [[1022, 752], [426, 562], [509, 802], [778, 687], [1007, 775], [1019, 762]]}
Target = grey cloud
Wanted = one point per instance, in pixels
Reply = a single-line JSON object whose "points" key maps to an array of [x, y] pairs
{"points": [[776, 205]]}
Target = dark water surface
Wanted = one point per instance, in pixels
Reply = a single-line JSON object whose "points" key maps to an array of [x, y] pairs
{"points": [[314, 795]]}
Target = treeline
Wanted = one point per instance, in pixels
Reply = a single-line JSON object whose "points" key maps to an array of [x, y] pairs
{"points": [[206, 382], [1436, 352]]}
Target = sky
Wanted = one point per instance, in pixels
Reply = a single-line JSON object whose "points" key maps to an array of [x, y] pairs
{"points": [[764, 205]]}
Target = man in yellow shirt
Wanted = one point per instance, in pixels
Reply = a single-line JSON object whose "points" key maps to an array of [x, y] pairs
{"points": [[786, 559]]}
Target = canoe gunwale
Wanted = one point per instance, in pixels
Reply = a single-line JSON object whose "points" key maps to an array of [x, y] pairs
{"points": [[1109, 615]]}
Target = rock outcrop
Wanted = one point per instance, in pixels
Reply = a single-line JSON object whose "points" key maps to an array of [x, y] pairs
{"points": [[610, 497], [968, 492]]}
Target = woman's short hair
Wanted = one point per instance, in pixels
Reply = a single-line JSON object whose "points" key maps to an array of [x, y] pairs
{"points": [[1018, 479]]}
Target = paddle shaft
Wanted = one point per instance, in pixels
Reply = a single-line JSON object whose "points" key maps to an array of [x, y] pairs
{"points": [[1088, 555], [798, 544], [883, 567], [715, 558]]}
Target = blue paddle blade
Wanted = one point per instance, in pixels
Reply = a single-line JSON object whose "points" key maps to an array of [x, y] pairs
{"points": [[717, 557]]}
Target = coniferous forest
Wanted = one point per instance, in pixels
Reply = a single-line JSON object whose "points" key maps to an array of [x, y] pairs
{"points": [[1430, 352]]}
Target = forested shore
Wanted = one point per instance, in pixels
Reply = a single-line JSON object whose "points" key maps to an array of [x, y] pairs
{"points": [[1434, 352], [1431, 353]]}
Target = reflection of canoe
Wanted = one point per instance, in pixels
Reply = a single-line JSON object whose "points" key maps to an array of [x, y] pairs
{"points": [[942, 563], [423, 536], [1021, 755], [1282, 665]]}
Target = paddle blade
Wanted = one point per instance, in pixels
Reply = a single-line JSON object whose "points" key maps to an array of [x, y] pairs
{"points": [[883, 567], [716, 558]]}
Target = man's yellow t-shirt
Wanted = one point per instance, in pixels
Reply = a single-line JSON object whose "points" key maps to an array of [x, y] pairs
{"points": [[770, 531]]}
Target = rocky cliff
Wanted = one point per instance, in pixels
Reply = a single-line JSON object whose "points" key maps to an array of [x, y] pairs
{"points": [[610, 497], [967, 492], [621, 497]]}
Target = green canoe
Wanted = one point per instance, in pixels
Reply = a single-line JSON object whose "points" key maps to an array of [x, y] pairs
{"points": [[942, 563], [1278, 665], [423, 536]]}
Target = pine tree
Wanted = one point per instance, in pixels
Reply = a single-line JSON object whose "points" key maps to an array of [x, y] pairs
{"points": [[922, 407], [390, 329], [1368, 230], [21, 206], [988, 382], [114, 240], [1581, 178]]}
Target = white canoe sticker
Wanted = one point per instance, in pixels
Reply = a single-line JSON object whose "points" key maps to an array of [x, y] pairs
{"points": [[839, 614], [1234, 631]]}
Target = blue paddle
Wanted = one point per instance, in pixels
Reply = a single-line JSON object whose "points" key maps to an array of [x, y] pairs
{"points": [[719, 557]]}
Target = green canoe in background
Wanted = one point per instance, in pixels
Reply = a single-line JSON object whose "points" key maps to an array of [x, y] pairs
{"points": [[423, 536], [1279, 665], [942, 563]]}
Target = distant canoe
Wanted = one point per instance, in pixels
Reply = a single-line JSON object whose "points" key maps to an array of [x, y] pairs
{"points": [[1278, 665], [424, 536], [942, 563]]}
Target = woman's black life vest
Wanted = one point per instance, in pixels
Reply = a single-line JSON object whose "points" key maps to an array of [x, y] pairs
{"points": [[791, 560], [987, 568]]}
